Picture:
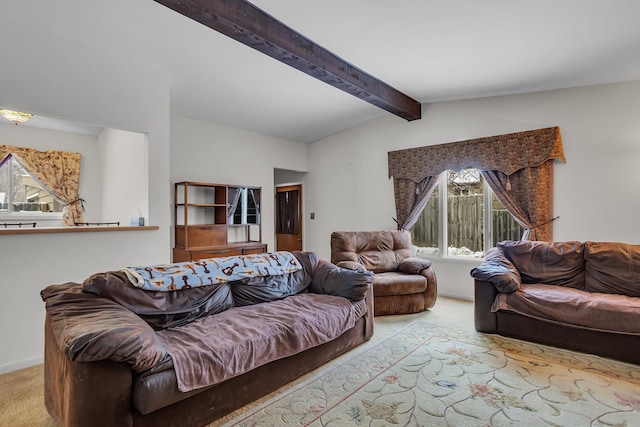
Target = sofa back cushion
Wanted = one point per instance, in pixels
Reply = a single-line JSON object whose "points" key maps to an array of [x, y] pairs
{"points": [[272, 288], [160, 309], [552, 263], [378, 251], [612, 268]]}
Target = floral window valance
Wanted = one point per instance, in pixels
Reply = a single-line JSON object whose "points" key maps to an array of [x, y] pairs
{"points": [[503, 153], [58, 171], [517, 166]]}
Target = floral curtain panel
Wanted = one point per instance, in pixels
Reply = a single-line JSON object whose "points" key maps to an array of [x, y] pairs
{"points": [[415, 173], [411, 198], [528, 197], [58, 171]]}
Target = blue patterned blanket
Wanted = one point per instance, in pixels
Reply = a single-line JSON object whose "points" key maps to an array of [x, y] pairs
{"points": [[191, 274]]}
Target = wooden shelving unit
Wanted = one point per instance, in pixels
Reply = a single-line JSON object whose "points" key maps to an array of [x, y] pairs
{"points": [[208, 223]]}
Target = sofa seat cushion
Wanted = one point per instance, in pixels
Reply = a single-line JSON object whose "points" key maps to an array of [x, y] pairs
{"points": [[574, 307], [396, 283], [215, 348], [154, 389]]}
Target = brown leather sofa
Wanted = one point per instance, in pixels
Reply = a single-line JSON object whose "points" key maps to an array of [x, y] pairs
{"points": [[402, 284], [574, 295], [105, 364]]}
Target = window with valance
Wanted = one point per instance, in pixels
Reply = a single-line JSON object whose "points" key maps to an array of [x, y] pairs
{"points": [[58, 171], [517, 166]]}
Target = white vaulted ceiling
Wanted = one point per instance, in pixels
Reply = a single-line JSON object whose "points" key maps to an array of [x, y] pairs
{"points": [[432, 50]]}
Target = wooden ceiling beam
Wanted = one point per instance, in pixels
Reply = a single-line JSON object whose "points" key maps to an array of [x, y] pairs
{"points": [[244, 22]]}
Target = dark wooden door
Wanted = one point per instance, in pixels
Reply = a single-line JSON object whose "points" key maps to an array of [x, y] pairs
{"points": [[289, 218]]}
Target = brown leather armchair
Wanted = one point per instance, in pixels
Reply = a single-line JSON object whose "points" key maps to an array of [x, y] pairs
{"points": [[402, 283]]}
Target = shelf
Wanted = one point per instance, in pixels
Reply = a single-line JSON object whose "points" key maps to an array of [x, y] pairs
{"points": [[43, 230], [202, 221]]}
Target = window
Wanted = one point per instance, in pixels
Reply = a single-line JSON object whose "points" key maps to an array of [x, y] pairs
{"points": [[22, 194], [244, 206], [475, 218]]}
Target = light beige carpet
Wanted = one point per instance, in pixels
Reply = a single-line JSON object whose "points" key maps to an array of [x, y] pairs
{"points": [[21, 392], [430, 375]]}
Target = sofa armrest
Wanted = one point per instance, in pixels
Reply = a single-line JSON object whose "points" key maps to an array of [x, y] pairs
{"points": [[351, 265], [89, 328], [484, 294], [413, 265], [78, 393], [369, 315], [333, 280], [497, 269], [431, 293]]}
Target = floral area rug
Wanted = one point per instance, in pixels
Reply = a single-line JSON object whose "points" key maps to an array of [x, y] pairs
{"points": [[429, 375]]}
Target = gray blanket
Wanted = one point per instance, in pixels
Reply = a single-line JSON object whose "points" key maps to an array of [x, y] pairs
{"points": [[215, 348]]}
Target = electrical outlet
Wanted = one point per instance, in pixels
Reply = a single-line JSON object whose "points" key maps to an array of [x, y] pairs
{"points": [[313, 215]]}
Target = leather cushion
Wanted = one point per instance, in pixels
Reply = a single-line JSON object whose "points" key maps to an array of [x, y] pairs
{"points": [[604, 312], [378, 251], [156, 391], [499, 271], [413, 265], [272, 288], [394, 283], [160, 309], [351, 265], [88, 328], [554, 263], [612, 268], [330, 279]]}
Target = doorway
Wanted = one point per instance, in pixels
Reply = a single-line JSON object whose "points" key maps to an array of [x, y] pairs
{"points": [[289, 218]]}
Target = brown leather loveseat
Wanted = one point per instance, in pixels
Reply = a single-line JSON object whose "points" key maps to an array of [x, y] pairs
{"points": [[402, 284], [574, 295]]}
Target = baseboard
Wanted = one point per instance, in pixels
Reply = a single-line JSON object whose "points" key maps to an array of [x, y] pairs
{"points": [[455, 296], [21, 364]]}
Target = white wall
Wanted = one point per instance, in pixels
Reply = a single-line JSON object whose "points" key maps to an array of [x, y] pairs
{"points": [[207, 152], [48, 75], [124, 175], [595, 191]]}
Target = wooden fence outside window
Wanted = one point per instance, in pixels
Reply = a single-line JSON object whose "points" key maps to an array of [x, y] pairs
{"points": [[465, 219]]}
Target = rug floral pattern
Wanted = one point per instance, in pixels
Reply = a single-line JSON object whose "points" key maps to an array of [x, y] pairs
{"points": [[429, 375]]}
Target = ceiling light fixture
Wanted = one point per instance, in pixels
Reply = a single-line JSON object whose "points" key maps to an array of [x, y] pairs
{"points": [[15, 116]]}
